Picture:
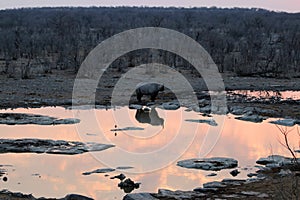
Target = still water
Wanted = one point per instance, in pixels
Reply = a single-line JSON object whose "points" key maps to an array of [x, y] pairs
{"points": [[152, 152], [267, 94]]}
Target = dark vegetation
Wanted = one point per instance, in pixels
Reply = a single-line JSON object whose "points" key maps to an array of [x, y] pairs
{"points": [[248, 42]]}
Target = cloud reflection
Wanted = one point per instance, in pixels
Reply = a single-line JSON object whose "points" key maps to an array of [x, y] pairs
{"points": [[61, 174]]}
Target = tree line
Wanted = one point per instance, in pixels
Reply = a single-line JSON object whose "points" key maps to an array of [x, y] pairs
{"points": [[247, 42]]}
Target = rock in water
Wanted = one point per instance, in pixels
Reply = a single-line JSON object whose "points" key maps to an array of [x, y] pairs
{"points": [[127, 129], [135, 106], [121, 177], [214, 184], [235, 172], [124, 167], [211, 174], [251, 118], [139, 196], [22, 119], [214, 164], [99, 171], [250, 175], [49, 146], [211, 122], [76, 197], [170, 106], [128, 185], [284, 122], [274, 159], [168, 194]]}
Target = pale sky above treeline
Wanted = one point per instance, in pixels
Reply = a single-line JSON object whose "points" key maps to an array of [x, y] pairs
{"points": [[274, 5]]}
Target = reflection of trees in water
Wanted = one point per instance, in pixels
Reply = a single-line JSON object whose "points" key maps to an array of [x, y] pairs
{"points": [[269, 94], [149, 117], [265, 94]]}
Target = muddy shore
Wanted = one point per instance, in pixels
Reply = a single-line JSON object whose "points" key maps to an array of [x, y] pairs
{"points": [[56, 89], [58, 86]]}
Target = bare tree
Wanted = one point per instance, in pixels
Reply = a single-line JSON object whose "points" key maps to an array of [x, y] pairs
{"points": [[285, 132]]}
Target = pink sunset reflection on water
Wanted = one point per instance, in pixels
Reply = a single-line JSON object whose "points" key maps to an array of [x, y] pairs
{"points": [[59, 175]]}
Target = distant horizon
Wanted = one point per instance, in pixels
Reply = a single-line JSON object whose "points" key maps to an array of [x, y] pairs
{"points": [[288, 6], [126, 6]]}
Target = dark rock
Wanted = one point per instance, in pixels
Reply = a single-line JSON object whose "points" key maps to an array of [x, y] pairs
{"points": [[76, 197], [2, 171], [285, 172], [235, 172], [252, 193], [135, 106], [212, 174], [49, 146], [232, 196], [178, 194], [275, 159], [170, 106], [266, 112], [206, 109], [17, 195], [214, 164], [35, 174], [88, 107], [239, 110], [99, 171], [235, 182], [127, 129], [92, 146], [66, 121], [214, 184], [81, 107], [206, 115], [207, 121], [128, 185], [124, 167], [121, 177], [205, 190], [251, 118], [285, 122], [250, 175], [188, 110], [139, 196], [148, 109], [21, 119]]}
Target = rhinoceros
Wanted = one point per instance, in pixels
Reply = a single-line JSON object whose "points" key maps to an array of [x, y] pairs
{"points": [[150, 89]]}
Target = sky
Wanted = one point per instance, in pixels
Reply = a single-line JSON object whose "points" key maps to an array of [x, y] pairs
{"points": [[275, 5]]}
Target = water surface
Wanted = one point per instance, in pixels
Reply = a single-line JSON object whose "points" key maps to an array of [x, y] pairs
{"points": [[57, 175], [267, 94]]}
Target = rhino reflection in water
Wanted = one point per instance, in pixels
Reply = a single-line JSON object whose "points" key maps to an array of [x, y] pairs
{"points": [[149, 117]]}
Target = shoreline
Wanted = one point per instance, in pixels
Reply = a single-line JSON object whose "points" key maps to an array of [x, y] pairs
{"points": [[56, 90], [270, 183]]}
